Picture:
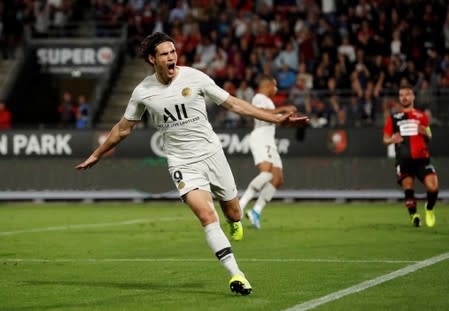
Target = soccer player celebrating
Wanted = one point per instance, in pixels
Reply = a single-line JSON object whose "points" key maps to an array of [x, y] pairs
{"points": [[265, 154], [410, 132], [174, 96]]}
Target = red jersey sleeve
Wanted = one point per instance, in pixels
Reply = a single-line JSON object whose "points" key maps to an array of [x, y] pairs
{"points": [[388, 128], [424, 120]]}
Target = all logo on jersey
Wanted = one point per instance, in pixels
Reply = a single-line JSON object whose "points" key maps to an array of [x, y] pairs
{"points": [[180, 113]]}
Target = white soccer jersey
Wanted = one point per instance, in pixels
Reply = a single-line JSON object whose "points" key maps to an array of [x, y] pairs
{"points": [[263, 132], [178, 111], [262, 139]]}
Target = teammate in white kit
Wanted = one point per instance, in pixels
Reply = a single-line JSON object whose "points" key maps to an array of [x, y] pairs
{"points": [[174, 97], [265, 152]]}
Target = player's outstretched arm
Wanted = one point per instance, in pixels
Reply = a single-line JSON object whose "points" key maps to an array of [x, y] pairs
{"points": [[425, 131], [285, 109], [396, 138], [244, 108], [118, 133]]}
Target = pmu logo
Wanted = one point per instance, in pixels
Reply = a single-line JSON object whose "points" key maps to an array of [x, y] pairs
{"points": [[74, 56]]}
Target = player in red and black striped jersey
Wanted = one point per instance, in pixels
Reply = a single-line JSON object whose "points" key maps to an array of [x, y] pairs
{"points": [[410, 132]]}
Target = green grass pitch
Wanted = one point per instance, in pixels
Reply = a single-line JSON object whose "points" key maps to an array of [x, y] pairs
{"points": [[153, 256]]}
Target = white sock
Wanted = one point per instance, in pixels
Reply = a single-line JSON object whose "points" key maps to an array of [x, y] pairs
{"points": [[255, 185], [265, 196], [221, 247]]}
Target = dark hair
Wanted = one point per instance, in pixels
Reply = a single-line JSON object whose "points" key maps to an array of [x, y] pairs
{"points": [[264, 78], [149, 44], [406, 86]]}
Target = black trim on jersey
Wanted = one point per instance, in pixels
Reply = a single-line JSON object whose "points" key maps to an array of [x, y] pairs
{"points": [[403, 149]]}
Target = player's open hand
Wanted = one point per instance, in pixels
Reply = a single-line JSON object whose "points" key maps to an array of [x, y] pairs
{"points": [[91, 161], [295, 120], [396, 138]]}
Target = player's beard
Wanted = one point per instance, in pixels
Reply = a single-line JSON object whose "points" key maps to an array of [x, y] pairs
{"points": [[406, 104]]}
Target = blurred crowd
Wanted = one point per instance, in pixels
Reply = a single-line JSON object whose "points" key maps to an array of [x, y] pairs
{"points": [[339, 61], [73, 111]]}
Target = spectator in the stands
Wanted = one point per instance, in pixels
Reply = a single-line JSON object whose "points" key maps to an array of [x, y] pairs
{"points": [[42, 19], [341, 73], [305, 76], [82, 112], [67, 111], [308, 48], [179, 12], [368, 104], [285, 77], [238, 64], [217, 67], [245, 91], [360, 78], [299, 95], [320, 79], [425, 101], [206, 50], [411, 74], [347, 49], [289, 56], [391, 77], [136, 33], [5, 116]]}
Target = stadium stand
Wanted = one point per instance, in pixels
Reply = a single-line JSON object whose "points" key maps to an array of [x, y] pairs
{"points": [[356, 52], [351, 56]]}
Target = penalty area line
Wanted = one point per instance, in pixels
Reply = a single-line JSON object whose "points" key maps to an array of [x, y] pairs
{"points": [[308, 305], [99, 225]]}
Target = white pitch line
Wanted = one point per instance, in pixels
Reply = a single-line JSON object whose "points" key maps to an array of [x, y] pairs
{"points": [[367, 284], [103, 260], [81, 226]]}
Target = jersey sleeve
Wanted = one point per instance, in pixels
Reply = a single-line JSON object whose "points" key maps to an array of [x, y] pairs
{"points": [[259, 102], [424, 120], [135, 108], [388, 128], [212, 90]]}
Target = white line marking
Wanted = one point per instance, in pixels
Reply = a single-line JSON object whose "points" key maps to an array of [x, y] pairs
{"points": [[313, 260], [102, 260], [367, 284], [106, 224]]}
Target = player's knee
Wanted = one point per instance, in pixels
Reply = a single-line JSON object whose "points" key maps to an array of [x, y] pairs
{"points": [[432, 188], [277, 181], [234, 214], [431, 183], [207, 216]]}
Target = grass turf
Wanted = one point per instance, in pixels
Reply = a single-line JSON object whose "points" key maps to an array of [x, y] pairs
{"points": [[153, 256]]}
